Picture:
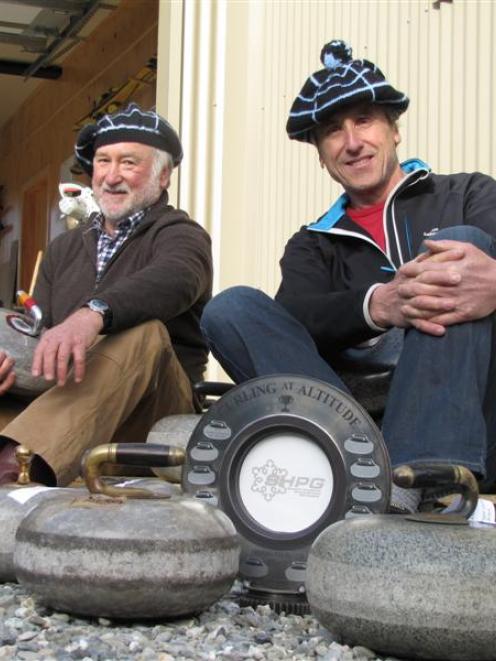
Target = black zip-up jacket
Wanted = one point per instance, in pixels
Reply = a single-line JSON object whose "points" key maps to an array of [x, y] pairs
{"points": [[329, 266], [162, 271]]}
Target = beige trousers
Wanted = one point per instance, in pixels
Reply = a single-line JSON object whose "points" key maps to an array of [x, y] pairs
{"points": [[132, 380]]}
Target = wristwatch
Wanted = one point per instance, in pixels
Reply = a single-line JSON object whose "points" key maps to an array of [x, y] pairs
{"points": [[104, 309]]}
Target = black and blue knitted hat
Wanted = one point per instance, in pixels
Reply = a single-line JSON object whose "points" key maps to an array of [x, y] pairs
{"points": [[129, 125], [343, 82]]}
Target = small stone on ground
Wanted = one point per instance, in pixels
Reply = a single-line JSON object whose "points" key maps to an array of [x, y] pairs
{"points": [[225, 632]]}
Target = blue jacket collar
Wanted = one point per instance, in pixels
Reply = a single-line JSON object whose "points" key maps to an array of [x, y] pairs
{"points": [[338, 209]]}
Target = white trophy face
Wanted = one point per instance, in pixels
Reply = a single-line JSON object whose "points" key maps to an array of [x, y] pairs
{"points": [[286, 482]]}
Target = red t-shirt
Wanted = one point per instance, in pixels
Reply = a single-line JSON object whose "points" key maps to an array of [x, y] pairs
{"points": [[370, 219]]}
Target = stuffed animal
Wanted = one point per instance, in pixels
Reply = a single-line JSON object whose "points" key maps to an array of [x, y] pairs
{"points": [[76, 203]]}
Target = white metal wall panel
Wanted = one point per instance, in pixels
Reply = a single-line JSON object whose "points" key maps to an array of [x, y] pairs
{"points": [[243, 62]]}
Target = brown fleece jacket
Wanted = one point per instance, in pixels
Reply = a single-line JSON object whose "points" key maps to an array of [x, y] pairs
{"points": [[163, 271]]}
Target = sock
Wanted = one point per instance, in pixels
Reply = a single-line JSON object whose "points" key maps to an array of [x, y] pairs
{"points": [[405, 499], [485, 512]]}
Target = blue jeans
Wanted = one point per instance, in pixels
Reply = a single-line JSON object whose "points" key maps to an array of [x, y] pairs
{"points": [[439, 406]]}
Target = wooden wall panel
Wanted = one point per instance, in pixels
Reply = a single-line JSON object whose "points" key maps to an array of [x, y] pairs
{"points": [[34, 229], [41, 135]]}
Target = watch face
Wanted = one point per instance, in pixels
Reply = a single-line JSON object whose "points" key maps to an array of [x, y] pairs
{"points": [[98, 306]]}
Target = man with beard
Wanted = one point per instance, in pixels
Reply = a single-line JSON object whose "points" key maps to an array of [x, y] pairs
{"points": [[121, 298]]}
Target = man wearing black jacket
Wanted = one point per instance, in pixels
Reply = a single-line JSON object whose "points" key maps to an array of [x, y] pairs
{"points": [[402, 248], [121, 298]]}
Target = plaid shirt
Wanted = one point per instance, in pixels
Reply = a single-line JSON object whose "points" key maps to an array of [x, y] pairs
{"points": [[109, 245]]}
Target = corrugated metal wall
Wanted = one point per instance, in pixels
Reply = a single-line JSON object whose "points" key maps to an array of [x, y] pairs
{"points": [[244, 62]]}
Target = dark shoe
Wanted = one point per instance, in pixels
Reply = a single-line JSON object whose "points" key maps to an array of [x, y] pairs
{"points": [[398, 509], [436, 499]]}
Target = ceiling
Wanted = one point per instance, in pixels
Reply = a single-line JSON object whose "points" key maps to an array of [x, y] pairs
{"points": [[35, 36]]}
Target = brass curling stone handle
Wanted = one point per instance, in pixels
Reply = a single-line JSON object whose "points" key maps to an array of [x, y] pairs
{"points": [[24, 457], [129, 454], [449, 477]]}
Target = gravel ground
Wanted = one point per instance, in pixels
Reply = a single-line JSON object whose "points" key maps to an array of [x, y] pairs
{"points": [[30, 632]]}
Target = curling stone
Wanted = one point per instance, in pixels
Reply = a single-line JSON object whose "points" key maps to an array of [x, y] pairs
{"points": [[417, 586], [30, 321], [16, 501], [19, 498], [123, 553], [285, 456], [173, 430], [21, 347]]}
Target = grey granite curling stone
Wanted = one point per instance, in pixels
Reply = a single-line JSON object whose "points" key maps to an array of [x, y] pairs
{"points": [[21, 348], [132, 559], [15, 504], [407, 588], [173, 430], [19, 499], [16, 501], [125, 552]]}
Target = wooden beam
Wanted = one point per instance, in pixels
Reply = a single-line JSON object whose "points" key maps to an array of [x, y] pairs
{"points": [[12, 68]]}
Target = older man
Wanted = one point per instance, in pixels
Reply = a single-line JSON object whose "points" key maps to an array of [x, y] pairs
{"points": [[121, 298], [402, 248]]}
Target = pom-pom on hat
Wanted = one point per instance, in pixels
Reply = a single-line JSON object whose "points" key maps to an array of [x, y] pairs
{"points": [[131, 124], [343, 82]]}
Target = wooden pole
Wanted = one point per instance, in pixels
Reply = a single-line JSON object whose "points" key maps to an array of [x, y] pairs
{"points": [[39, 257]]}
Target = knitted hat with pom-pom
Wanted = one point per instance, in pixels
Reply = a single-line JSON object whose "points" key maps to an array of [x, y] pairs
{"points": [[343, 82]]}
